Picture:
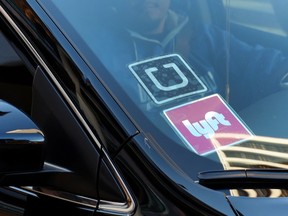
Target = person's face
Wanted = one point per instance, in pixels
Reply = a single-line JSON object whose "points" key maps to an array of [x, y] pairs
{"points": [[146, 13]]}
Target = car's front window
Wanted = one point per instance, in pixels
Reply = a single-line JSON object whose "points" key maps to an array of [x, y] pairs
{"points": [[208, 77]]}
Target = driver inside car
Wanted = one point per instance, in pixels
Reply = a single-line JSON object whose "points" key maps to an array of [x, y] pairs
{"points": [[240, 72]]}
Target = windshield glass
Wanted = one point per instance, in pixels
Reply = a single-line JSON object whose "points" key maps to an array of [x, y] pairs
{"points": [[204, 78]]}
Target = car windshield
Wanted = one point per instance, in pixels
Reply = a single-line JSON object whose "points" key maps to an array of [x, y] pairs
{"points": [[204, 80]]}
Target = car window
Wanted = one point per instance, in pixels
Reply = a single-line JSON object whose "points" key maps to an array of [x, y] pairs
{"points": [[207, 77], [261, 15]]}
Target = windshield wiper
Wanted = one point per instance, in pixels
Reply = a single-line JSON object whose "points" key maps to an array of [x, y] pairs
{"points": [[247, 178]]}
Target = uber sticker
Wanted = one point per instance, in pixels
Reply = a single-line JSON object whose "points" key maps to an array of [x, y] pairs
{"points": [[167, 78], [207, 124]]}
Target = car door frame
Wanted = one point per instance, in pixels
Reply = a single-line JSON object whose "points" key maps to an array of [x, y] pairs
{"points": [[129, 207]]}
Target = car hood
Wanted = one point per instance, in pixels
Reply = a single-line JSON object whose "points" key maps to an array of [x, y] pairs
{"points": [[259, 206]]}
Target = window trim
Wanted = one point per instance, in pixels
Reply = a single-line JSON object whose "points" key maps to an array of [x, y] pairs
{"points": [[104, 205]]}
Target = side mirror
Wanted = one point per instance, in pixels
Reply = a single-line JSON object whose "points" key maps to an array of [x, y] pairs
{"points": [[21, 141]]}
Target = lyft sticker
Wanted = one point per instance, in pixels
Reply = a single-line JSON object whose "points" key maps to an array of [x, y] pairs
{"points": [[207, 124], [166, 78]]}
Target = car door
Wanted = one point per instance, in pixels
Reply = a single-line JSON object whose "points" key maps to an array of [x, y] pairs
{"points": [[77, 124]]}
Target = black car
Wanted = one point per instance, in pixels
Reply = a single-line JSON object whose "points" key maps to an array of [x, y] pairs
{"points": [[143, 107]]}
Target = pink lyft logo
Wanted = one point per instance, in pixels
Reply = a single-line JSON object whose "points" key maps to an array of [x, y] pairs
{"points": [[207, 124], [206, 127]]}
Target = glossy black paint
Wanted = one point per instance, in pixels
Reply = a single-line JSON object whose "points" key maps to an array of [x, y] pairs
{"points": [[259, 206], [50, 106], [21, 141], [158, 193], [42, 115]]}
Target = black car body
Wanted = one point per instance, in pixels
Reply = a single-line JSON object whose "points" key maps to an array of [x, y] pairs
{"points": [[91, 135]]}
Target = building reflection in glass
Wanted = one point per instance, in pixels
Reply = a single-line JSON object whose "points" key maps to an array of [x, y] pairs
{"points": [[255, 153]]}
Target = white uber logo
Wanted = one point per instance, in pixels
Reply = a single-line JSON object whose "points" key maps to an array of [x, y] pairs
{"points": [[208, 126], [166, 78], [150, 72]]}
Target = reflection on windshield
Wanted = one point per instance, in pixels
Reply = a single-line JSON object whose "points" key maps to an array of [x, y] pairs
{"points": [[258, 152]]}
